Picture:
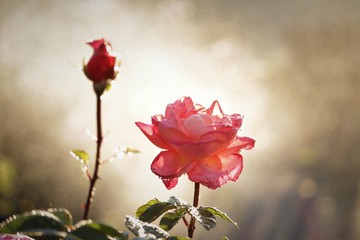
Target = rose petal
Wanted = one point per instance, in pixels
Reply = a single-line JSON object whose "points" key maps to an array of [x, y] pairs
{"points": [[149, 132], [197, 125], [210, 110], [181, 108], [95, 44], [198, 151], [170, 164], [239, 143], [215, 171], [221, 133], [170, 182], [171, 134]]}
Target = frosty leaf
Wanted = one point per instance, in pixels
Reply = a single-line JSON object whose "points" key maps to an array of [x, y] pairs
{"points": [[33, 221], [171, 218], [204, 217], [219, 213], [63, 215], [144, 230], [177, 201]]}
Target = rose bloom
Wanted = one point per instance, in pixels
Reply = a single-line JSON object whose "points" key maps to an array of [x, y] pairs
{"points": [[14, 237], [103, 64], [196, 141]]}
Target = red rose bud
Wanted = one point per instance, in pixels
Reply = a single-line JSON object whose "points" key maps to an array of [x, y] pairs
{"points": [[103, 65]]}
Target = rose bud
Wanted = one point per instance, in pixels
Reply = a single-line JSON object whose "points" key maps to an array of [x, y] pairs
{"points": [[103, 66]]}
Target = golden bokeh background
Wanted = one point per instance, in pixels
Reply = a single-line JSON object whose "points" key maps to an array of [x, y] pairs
{"points": [[290, 67]]}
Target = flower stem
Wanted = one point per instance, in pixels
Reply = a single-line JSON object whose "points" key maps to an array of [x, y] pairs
{"points": [[95, 176], [191, 227]]}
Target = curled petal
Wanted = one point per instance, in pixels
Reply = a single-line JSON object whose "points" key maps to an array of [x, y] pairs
{"points": [[238, 144], [215, 104], [170, 164], [149, 132], [216, 170]]}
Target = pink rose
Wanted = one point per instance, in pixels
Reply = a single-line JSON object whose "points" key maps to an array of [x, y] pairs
{"points": [[198, 142], [14, 237], [102, 65]]}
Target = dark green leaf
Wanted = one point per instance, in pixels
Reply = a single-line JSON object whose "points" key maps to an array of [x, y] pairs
{"points": [[96, 231], [144, 207], [155, 211], [34, 220], [143, 229], [171, 218], [204, 217], [219, 213], [63, 215], [80, 155]]}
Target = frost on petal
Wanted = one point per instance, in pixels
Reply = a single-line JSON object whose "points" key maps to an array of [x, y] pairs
{"points": [[149, 132], [215, 171], [170, 164], [170, 182]]}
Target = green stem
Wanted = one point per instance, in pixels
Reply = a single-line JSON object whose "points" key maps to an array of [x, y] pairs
{"points": [[191, 227], [95, 176]]}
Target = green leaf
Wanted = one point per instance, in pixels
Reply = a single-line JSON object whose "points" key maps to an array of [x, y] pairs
{"points": [[171, 218], [63, 215], [144, 207], [80, 155], [224, 238], [144, 230], [95, 231], [204, 217], [36, 220], [221, 214], [155, 211]]}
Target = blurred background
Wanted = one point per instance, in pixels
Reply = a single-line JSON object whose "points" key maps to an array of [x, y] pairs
{"points": [[290, 67]]}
